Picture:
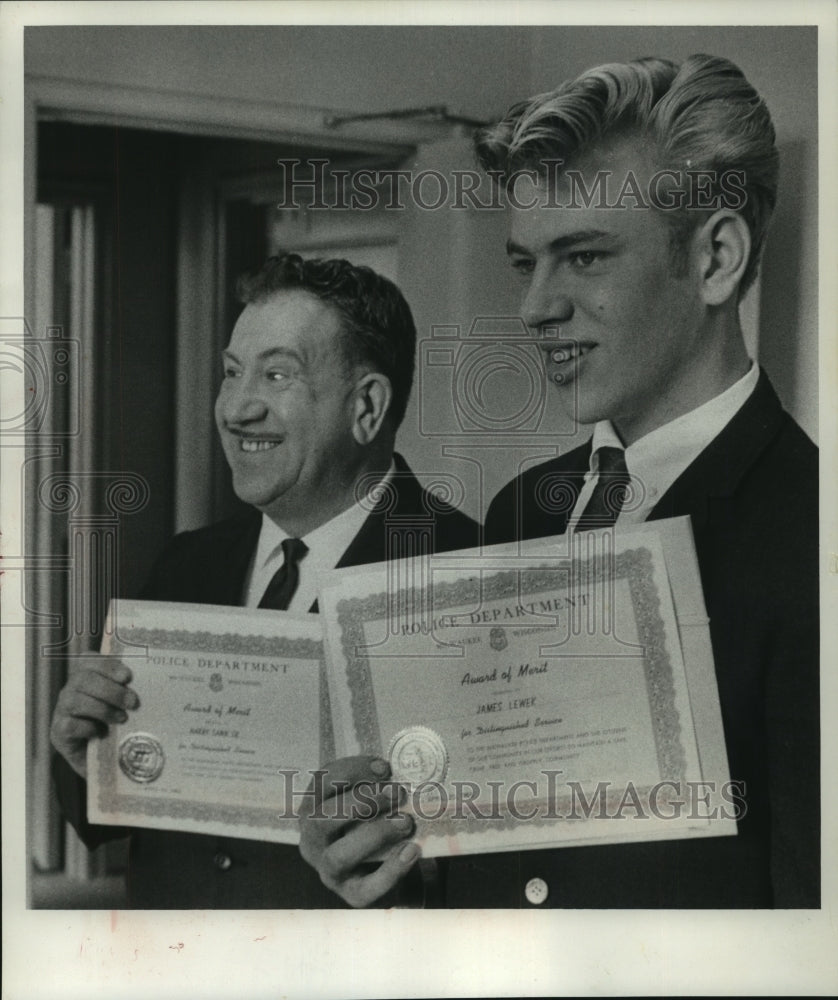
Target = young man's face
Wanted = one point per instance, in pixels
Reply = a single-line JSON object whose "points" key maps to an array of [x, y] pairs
{"points": [[285, 408], [603, 277]]}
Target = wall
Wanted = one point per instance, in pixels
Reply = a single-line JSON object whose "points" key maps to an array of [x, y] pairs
{"points": [[350, 68]]}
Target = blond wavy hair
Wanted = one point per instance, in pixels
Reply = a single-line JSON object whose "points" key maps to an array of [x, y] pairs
{"points": [[701, 115]]}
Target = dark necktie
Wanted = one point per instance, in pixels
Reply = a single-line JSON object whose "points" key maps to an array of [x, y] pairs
{"points": [[284, 582], [609, 494]]}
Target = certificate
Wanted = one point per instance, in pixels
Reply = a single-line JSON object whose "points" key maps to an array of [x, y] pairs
{"points": [[536, 695], [233, 717]]}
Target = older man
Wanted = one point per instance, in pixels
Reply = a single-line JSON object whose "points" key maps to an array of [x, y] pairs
{"points": [[640, 196], [317, 376]]}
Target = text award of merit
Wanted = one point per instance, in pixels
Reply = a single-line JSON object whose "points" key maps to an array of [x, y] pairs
{"points": [[233, 718], [546, 694]]}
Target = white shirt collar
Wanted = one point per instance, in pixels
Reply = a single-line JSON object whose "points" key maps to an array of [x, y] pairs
{"points": [[658, 459], [326, 544]]}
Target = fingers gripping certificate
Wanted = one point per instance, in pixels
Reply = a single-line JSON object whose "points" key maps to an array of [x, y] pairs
{"points": [[526, 700], [233, 715]]}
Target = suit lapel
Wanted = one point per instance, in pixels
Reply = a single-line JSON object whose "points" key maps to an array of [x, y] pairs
{"points": [[370, 544], [232, 555], [545, 499], [719, 469]]}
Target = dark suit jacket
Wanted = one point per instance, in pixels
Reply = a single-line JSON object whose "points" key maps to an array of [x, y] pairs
{"points": [[184, 871], [752, 495]]}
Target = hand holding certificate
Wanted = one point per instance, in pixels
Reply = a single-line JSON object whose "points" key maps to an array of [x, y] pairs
{"points": [[233, 715], [533, 700]]}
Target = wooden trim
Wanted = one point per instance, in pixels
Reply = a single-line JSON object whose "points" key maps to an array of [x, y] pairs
{"points": [[195, 349], [92, 103]]}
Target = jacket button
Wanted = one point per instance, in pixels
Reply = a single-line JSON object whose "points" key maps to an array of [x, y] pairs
{"points": [[222, 861], [536, 891]]}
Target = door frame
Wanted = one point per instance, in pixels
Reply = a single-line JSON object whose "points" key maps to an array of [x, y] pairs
{"points": [[89, 103], [49, 98]]}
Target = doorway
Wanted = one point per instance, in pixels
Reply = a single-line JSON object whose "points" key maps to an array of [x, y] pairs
{"points": [[138, 239]]}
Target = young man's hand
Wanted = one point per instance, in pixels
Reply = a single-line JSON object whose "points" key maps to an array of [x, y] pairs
{"points": [[353, 834]]}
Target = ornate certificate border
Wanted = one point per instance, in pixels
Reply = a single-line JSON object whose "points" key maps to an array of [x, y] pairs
{"points": [[633, 565], [234, 643]]}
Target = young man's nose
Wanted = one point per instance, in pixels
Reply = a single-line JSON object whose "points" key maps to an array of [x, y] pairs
{"points": [[546, 304]]}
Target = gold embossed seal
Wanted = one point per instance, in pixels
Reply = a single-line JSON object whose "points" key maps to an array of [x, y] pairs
{"points": [[417, 754], [141, 757]]}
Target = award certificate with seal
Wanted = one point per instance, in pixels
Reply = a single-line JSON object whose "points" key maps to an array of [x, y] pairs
{"points": [[233, 717], [545, 694]]}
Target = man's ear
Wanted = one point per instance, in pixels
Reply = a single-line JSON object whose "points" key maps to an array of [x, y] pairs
{"points": [[723, 246], [373, 396]]}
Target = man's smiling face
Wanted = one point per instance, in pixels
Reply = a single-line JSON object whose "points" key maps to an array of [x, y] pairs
{"points": [[284, 411], [602, 278]]}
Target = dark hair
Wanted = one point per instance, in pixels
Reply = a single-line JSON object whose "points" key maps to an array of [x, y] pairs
{"points": [[701, 115], [377, 323]]}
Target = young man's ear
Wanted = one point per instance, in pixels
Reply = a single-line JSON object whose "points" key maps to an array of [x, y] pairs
{"points": [[373, 396], [723, 245]]}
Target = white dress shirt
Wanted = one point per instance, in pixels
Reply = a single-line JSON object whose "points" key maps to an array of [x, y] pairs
{"points": [[656, 460], [326, 545]]}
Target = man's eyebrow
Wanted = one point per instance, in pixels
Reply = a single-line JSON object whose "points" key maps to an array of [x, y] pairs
{"points": [[562, 242], [267, 354]]}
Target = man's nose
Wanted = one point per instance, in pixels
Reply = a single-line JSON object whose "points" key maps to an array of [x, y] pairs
{"points": [[546, 304], [240, 402]]}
